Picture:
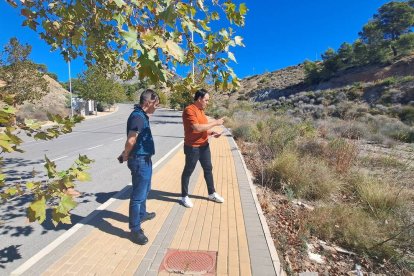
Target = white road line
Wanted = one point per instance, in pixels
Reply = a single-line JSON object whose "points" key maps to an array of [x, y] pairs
{"points": [[94, 147], [118, 139], [49, 248], [59, 158], [166, 156], [53, 160]]}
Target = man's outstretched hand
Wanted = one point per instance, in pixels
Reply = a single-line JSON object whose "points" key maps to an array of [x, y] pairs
{"points": [[219, 122]]}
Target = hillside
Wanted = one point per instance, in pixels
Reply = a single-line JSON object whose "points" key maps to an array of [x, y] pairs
{"points": [[291, 80], [55, 102]]}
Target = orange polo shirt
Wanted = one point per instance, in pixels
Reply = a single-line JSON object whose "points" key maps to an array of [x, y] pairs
{"points": [[193, 115]]}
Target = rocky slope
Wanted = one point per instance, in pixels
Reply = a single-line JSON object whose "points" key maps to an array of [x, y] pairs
{"points": [[55, 102], [291, 80]]}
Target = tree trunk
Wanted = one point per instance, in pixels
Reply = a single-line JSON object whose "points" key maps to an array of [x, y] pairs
{"points": [[394, 50]]}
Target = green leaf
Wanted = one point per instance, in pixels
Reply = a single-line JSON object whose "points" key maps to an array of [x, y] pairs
{"points": [[66, 204], [85, 159], [119, 18], [12, 191], [200, 4], [60, 217], [119, 3], [242, 9], [8, 109], [66, 220], [175, 50], [168, 15], [215, 16], [30, 185], [238, 40], [131, 37], [50, 167], [203, 24], [6, 146], [83, 176], [32, 124], [37, 210], [41, 136], [231, 56]]}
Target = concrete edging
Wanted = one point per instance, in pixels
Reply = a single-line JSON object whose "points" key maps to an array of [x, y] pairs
{"points": [[272, 249]]}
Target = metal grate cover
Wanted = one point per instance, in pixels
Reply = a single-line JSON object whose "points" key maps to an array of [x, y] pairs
{"points": [[189, 262]]}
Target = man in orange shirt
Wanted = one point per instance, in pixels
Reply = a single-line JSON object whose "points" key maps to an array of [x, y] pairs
{"points": [[197, 129]]}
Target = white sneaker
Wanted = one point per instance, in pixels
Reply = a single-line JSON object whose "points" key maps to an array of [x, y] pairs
{"points": [[187, 202], [216, 197]]}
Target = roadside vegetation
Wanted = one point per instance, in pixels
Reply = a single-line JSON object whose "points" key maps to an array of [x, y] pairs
{"points": [[359, 195], [330, 145]]}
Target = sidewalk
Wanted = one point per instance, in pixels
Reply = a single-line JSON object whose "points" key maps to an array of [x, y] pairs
{"points": [[227, 239]]}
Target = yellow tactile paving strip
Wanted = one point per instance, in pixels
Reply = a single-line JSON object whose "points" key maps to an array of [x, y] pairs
{"points": [[106, 250], [217, 227]]}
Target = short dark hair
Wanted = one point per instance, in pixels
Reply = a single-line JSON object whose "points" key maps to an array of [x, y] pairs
{"points": [[200, 93], [148, 95]]}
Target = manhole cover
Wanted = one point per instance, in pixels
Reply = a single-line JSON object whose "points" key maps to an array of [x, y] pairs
{"points": [[189, 262]]}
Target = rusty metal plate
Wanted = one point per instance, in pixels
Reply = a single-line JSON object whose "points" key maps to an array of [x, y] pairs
{"points": [[189, 262]]}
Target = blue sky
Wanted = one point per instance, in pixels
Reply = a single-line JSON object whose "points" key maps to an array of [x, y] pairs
{"points": [[278, 33]]}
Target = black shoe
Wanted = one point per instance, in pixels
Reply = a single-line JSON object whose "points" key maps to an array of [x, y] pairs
{"points": [[148, 216], [139, 237]]}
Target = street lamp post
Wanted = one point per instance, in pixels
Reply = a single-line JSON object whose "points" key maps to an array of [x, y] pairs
{"points": [[192, 40], [70, 90]]}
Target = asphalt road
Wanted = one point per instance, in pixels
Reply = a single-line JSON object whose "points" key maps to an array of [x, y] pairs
{"points": [[100, 138]]}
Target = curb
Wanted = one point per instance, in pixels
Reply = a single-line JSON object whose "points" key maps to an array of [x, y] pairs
{"points": [[101, 115], [272, 249], [49, 123]]}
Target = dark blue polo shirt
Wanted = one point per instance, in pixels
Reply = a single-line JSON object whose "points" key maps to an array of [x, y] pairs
{"points": [[138, 121]]}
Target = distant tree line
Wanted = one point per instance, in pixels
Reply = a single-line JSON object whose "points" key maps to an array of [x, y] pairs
{"points": [[22, 80], [389, 35]]}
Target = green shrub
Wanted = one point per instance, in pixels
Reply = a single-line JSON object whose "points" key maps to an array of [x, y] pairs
{"points": [[352, 130], [102, 106], [398, 131], [385, 162], [312, 147], [377, 196], [407, 115], [389, 81], [389, 127], [308, 177], [276, 134], [246, 132], [350, 227], [163, 98]]}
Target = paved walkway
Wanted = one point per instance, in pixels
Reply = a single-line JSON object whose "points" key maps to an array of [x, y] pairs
{"points": [[234, 232]]}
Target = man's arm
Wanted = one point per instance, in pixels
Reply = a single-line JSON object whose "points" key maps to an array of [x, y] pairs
{"points": [[206, 127], [129, 144]]}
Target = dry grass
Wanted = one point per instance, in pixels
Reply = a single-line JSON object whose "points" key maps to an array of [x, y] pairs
{"points": [[348, 226], [308, 177], [363, 213], [384, 162], [377, 196], [341, 154]]}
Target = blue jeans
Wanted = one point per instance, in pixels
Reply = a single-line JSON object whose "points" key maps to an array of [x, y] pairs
{"points": [[192, 156], [141, 171]]}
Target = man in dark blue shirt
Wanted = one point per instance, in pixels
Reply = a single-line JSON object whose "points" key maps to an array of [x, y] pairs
{"points": [[139, 148]]}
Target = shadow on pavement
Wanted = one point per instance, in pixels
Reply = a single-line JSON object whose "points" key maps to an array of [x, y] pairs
{"points": [[170, 197], [9, 254]]}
